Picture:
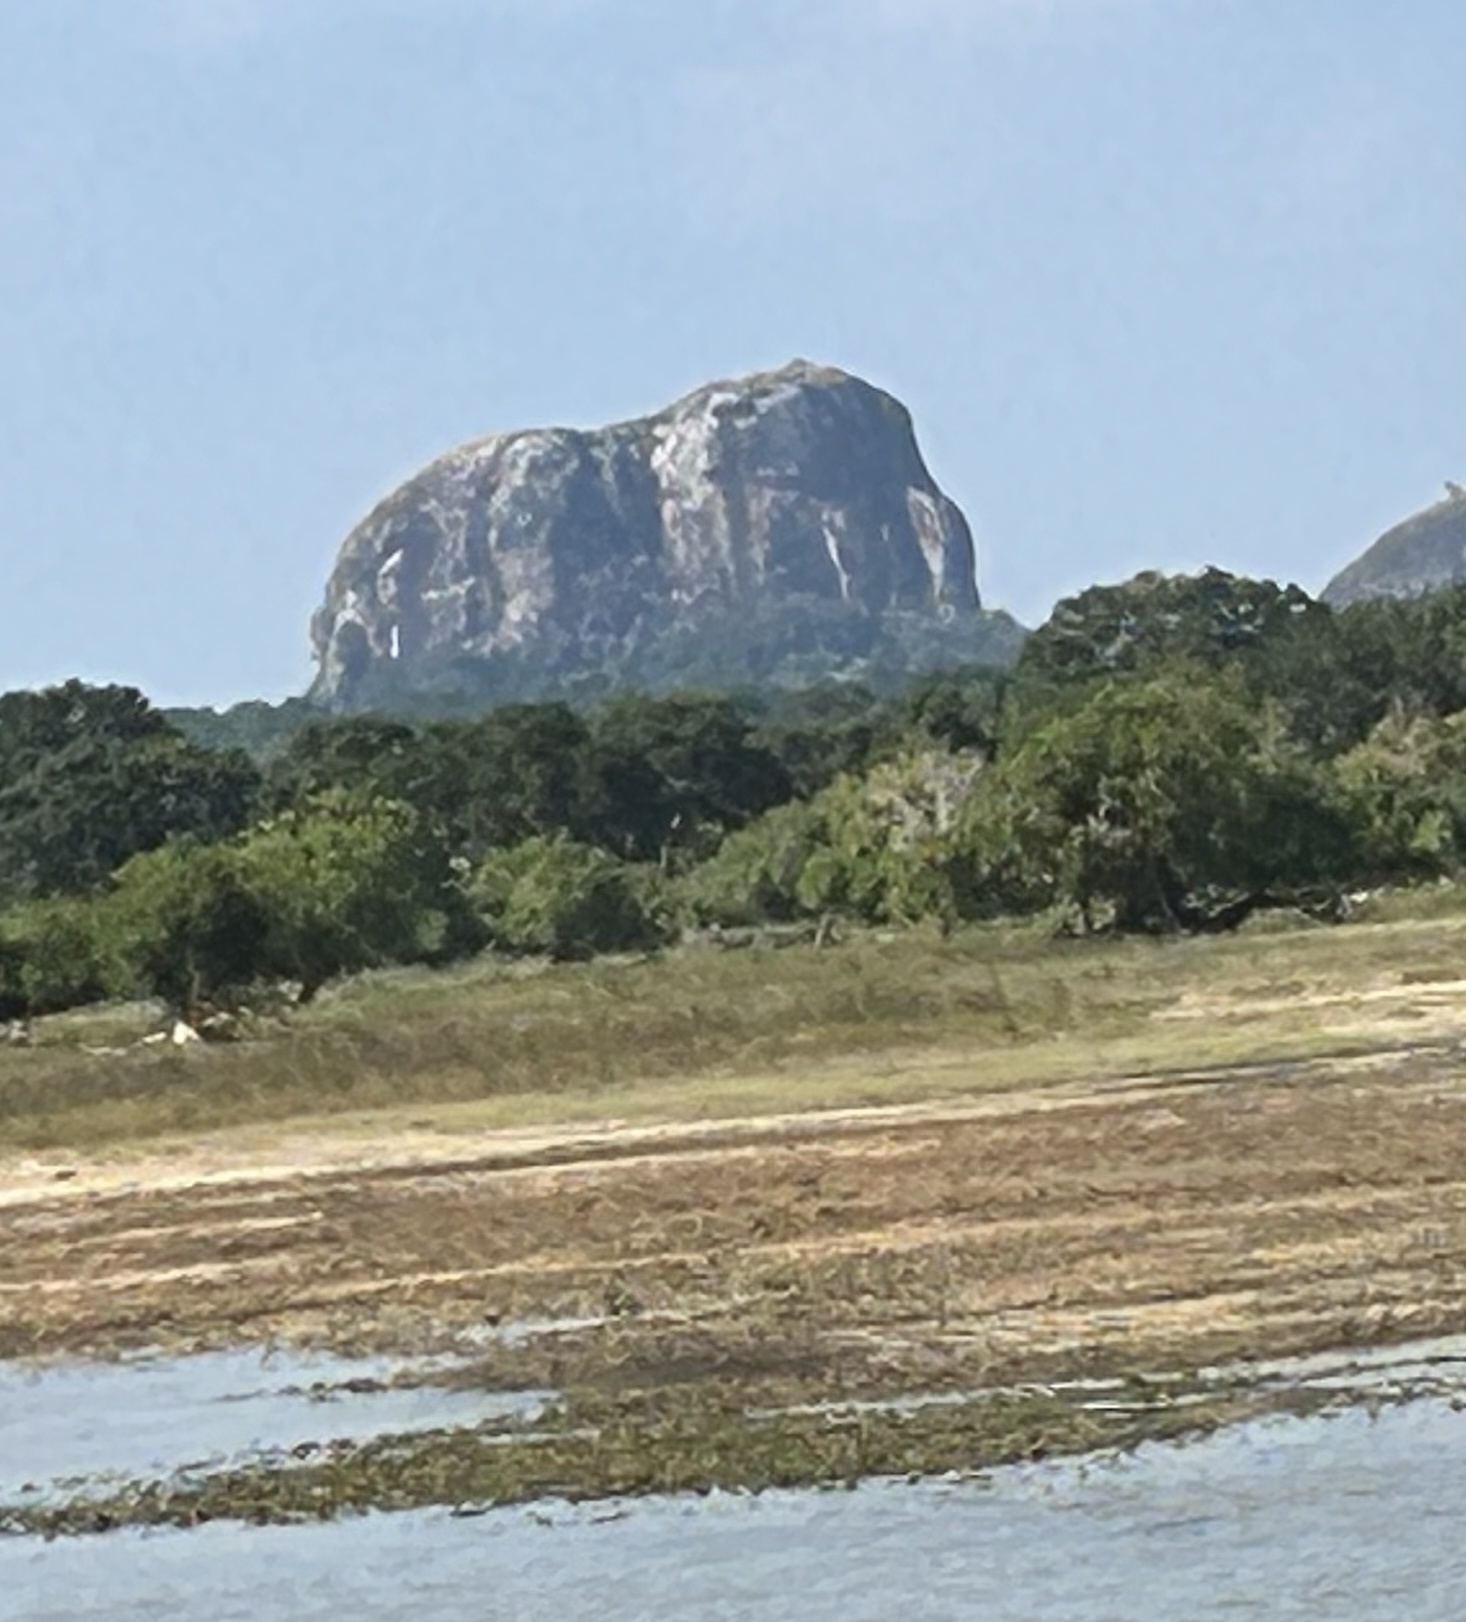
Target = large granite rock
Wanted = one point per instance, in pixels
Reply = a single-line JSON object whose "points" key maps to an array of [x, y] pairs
{"points": [[777, 526], [1422, 554]]}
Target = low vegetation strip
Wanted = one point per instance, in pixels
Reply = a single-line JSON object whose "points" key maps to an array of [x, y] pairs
{"points": [[685, 1447], [882, 1016]]}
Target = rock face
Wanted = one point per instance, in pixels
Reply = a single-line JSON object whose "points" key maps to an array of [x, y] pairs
{"points": [[781, 521], [1423, 554]]}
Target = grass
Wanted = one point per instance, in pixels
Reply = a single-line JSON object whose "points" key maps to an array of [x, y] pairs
{"points": [[883, 1017], [669, 1445]]}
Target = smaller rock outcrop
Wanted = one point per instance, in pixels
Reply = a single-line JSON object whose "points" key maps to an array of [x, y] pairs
{"points": [[1424, 553]]}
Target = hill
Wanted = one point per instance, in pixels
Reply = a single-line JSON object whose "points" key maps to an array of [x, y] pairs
{"points": [[1424, 553], [776, 529]]}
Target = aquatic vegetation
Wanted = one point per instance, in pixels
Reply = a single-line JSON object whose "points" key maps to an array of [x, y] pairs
{"points": [[662, 1444]]}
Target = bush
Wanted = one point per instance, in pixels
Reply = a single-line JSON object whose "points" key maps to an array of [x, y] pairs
{"points": [[336, 886], [13, 1003], [556, 896], [348, 884], [878, 848], [1406, 786], [758, 874], [187, 926], [63, 956]]}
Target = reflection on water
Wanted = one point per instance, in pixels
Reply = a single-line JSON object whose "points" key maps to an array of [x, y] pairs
{"points": [[1343, 1518], [63, 1422]]}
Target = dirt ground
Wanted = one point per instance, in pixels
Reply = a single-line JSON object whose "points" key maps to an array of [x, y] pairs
{"points": [[1167, 1222]]}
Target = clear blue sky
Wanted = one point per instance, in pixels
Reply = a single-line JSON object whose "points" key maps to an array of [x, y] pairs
{"points": [[1165, 282]]}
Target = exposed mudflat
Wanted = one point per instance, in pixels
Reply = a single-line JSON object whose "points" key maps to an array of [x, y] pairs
{"points": [[1173, 1220]]}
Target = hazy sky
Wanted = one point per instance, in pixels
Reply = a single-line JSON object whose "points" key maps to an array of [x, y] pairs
{"points": [[1164, 282]]}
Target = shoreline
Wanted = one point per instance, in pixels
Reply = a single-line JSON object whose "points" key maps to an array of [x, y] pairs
{"points": [[760, 1301], [698, 1448]]}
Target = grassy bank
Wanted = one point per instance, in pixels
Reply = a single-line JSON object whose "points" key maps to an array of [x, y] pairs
{"points": [[706, 1031]]}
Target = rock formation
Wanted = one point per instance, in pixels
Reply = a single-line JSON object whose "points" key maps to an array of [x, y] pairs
{"points": [[783, 524], [1422, 554]]}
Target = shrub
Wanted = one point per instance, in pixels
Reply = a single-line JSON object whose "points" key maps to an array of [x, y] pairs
{"points": [[1406, 785], [556, 896], [878, 848], [186, 924], [347, 884]]}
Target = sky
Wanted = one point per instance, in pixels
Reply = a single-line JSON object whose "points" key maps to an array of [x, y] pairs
{"points": [[1164, 282]]}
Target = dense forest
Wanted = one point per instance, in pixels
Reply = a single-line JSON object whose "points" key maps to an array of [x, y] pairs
{"points": [[1166, 755]]}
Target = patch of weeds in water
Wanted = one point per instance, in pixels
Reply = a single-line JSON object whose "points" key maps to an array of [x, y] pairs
{"points": [[599, 1448]]}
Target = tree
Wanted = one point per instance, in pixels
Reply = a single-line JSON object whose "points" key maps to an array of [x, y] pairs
{"points": [[330, 887], [188, 925], [91, 776], [960, 708], [566, 900], [14, 1003], [1150, 801], [521, 771], [878, 847], [348, 884], [1406, 784], [674, 773], [758, 873], [817, 733], [365, 754], [45, 721], [1208, 619], [260, 729]]}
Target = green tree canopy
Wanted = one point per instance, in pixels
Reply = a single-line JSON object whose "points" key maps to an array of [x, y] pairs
{"points": [[91, 776], [347, 883], [365, 754], [1146, 799], [878, 847], [1407, 785], [521, 771], [186, 925], [566, 900], [670, 772], [1208, 619]]}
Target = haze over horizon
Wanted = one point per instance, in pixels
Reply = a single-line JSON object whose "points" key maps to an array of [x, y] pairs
{"points": [[1163, 282]]}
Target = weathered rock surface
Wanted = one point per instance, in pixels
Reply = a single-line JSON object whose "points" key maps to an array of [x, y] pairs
{"points": [[782, 523], [1422, 554]]}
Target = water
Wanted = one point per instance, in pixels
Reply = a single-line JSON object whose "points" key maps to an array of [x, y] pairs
{"points": [[1344, 1519], [68, 1426]]}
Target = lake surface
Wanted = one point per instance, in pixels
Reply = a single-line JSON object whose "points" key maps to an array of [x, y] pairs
{"points": [[1348, 1518], [72, 1426]]}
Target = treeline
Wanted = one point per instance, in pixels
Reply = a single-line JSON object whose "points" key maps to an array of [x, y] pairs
{"points": [[134, 860], [1167, 755]]}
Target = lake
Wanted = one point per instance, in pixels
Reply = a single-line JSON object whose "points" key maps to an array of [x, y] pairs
{"points": [[1344, 1517]]}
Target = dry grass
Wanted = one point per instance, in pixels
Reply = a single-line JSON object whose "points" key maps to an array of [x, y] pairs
{"points": [[1158, 1221], [700, 1031]]}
